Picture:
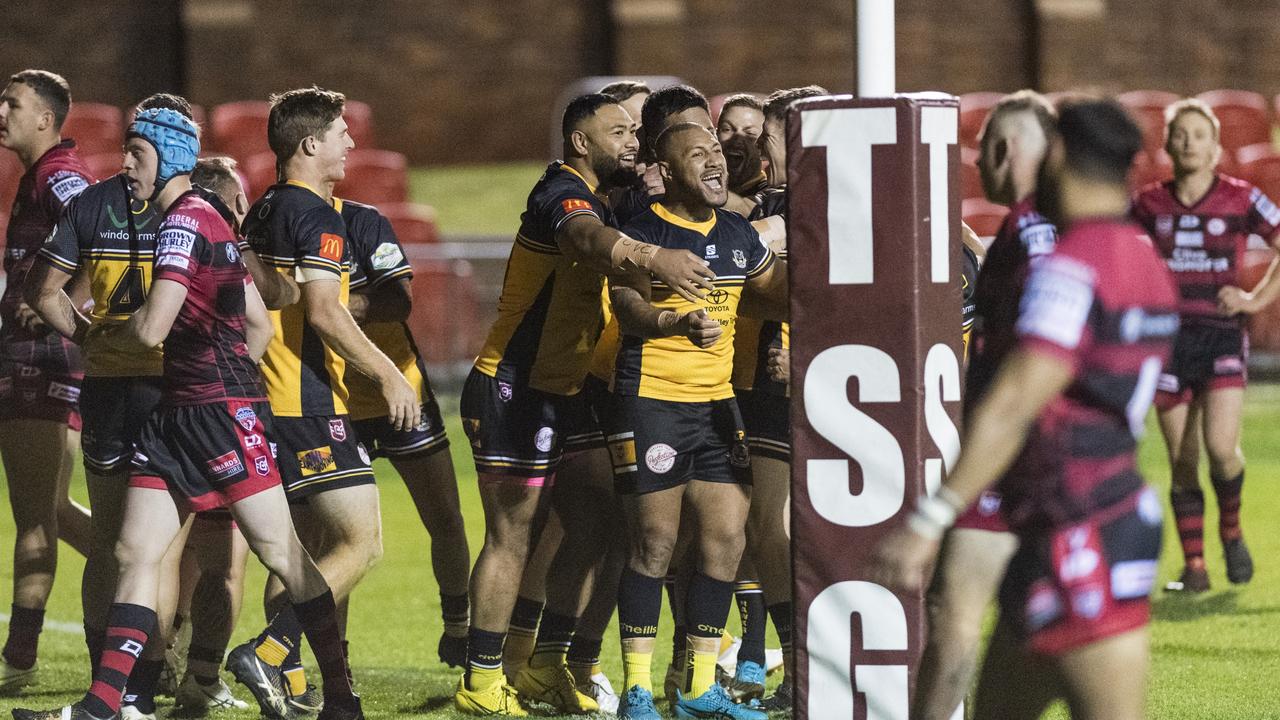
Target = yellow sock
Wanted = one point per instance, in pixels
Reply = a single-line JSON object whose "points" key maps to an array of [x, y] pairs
{"points": [[636, 668], [596, 670], [297, 679], [479, 678], [701, 669], [271, 651]]}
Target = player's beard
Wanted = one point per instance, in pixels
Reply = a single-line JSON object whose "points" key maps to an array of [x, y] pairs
{"points": [[611, 172]]}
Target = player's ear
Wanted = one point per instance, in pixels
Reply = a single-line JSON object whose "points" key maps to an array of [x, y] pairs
{"points": [[308, 145], [579, 141], [46, 120], [664, 170], [241, 205]]}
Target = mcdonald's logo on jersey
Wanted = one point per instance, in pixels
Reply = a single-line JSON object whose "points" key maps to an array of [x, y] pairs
{"points": [[331, 247]]}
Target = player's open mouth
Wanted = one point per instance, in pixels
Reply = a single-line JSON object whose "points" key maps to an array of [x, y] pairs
{"points": [[714, 180], [627, 158]]}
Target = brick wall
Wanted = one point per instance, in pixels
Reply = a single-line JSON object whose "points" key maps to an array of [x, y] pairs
{"points": [[476, 80]]}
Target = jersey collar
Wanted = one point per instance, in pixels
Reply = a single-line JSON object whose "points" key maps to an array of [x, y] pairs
{"points": [[565, 166], [704, 227], [335, 201]]}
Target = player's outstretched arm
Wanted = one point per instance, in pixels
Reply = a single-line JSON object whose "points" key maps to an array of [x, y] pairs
{"points": [[585, 239], [1026, 382], [45, 293], [638, 317], [257, 326], [339, 331], [389, 302], [276, 289]]}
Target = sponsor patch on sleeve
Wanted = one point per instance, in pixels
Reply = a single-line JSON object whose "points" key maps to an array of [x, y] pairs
{"points": [[1057, 302], [331, 247], [173, 248], [66, 185], [574, 204], [387, 256]]}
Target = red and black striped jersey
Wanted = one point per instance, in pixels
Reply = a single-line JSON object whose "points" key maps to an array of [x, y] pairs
{"points": [[1203, 244], [1024, 236], [206, 357], [1104, 303], [44, 190]]}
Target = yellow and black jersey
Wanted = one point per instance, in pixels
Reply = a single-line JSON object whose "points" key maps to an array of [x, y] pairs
{"points": [[549, 314], [754, 338], [672, 368], [968, 283], [376, 259], [112, 237], [606, 352], [297, 232]]}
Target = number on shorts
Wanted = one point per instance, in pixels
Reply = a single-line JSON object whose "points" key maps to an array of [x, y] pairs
{"points": [[1143, 394], [129, 293]]}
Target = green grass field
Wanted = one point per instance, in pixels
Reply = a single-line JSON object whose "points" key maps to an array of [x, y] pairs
{"points": [[1214, 655]]}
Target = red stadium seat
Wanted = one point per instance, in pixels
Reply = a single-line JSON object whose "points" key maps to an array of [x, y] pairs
{"points": [[1249, 153], [1147, 107], [240, 128], [359, 117], [414, 223], [970, 176], [974, 108], [1244, 116], [1149, 168], [443, 320], [103, 165], [259, 172], [375, 177], [96, 127], [984, 217], [1264, 172], [1264, 326]]}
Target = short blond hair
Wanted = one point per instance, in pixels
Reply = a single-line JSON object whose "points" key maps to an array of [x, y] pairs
{"points": [[1191, 105]]}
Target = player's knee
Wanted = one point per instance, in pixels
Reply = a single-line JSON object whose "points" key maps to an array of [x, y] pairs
{"points": [[1225, 457], [651, 554]]}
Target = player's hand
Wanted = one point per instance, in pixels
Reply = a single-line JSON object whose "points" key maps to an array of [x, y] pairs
{"points": [[403, 408], [779, 365], [700, 329], [1233, 301], [902, 560], [653, 184], [689, 275], [27, 318]]}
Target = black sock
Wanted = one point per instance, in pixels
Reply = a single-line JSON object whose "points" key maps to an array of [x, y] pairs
{"points": [[210, 658], [555, 634], [141, 690], [706, 611], [93, 639], [1229, 492], [455, 610], [128, 628], [750, 601], [25, 625], [484, 652], [524, 618], [584, 652], [780, 613], [319, 618], [281, 638]]}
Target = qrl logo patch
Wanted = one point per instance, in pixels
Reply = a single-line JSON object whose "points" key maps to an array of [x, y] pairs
{"points": [[337, 430], [247, 418], [262, 466]]}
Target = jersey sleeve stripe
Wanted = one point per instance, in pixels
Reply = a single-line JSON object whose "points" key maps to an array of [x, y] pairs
{"points": [[575, 213], [765, 263], [400, 272], [64, 264]]}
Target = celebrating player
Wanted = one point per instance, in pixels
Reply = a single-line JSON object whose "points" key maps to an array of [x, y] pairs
{"points": [[40, 371], [676, 436], [1058, 426], [973, 558], [1200, 221], [205, 446], [738, 129]]}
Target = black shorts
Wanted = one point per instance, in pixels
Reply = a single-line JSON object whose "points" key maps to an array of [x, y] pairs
{"points": [[1071, 586], [114, 410], [318, 454], [582, 424], [659, 444], [207, 456], [515, 432], [424, 440], [1204, 358], [40, 378], [767, 417]]}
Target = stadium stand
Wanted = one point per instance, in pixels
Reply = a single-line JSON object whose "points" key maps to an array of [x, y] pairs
{"points": [[414, 223], [96, 127], [1147, 107], [359, 117], [239, 129], [259, 172], [974, 107], [376, 177], [1244, 115], [970, 176], [1261, 166], [984, 217]]}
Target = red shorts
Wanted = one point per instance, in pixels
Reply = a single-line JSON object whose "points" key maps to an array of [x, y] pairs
{"points": [[1205, 358], [40, 379], [207, 456], [987, 513], [1071, 586]]}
